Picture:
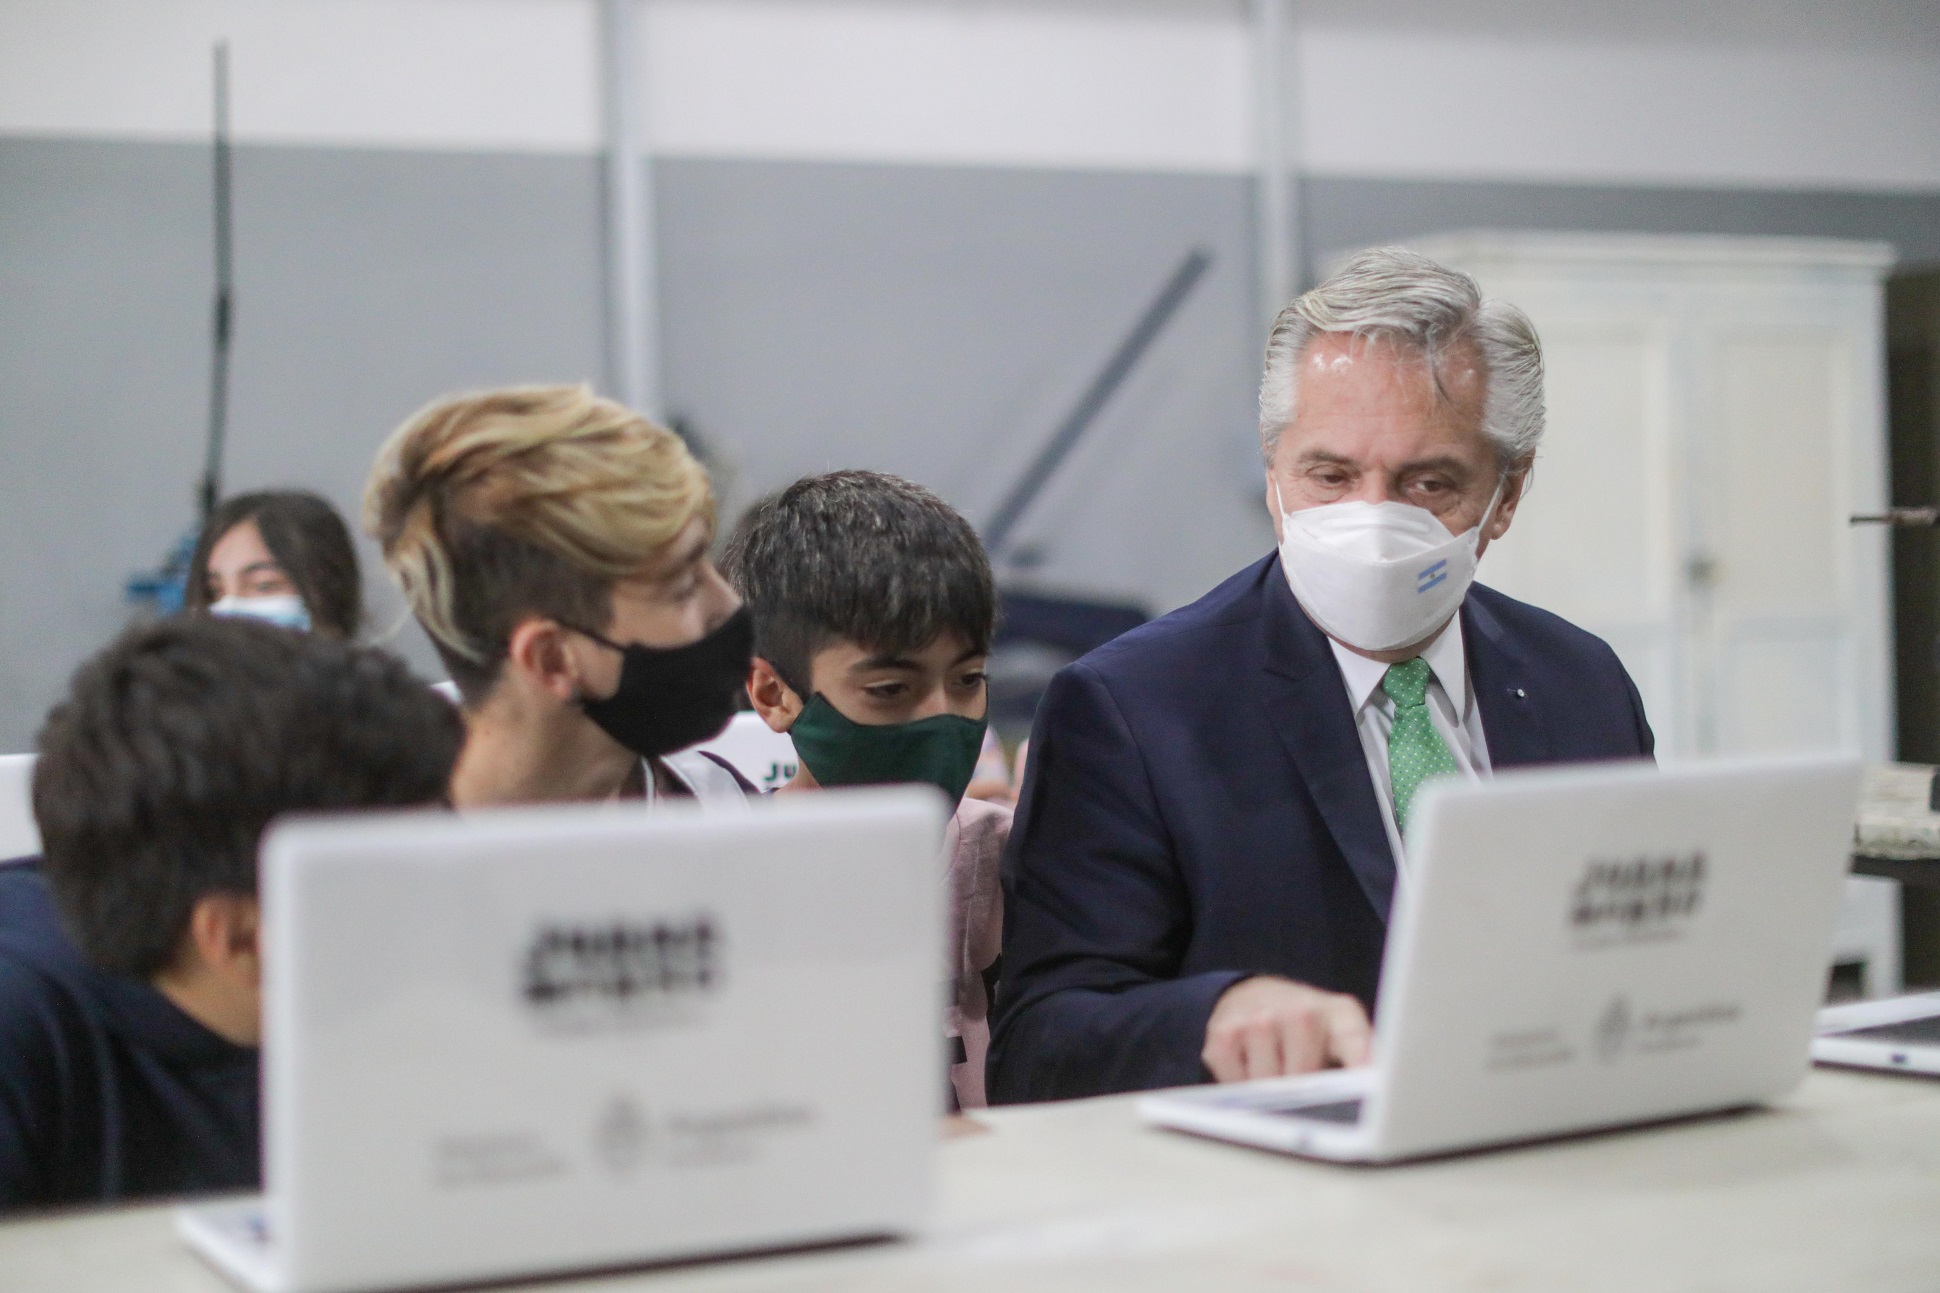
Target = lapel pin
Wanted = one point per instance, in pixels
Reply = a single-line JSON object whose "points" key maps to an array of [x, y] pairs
{"points": [[1521, 694]]}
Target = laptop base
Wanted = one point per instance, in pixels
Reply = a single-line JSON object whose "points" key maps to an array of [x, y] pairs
{"points": [[234, 1237], [1893, 1035], [1321, 1115]]}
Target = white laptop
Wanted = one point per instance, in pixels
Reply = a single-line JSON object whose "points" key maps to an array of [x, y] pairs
{"points": [[1578, 949], [540, 1040], [1898, 1034]]}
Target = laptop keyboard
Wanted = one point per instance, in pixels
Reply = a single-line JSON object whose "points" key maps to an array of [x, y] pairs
{"points": [[1907, 1030], [1344, 1112]]}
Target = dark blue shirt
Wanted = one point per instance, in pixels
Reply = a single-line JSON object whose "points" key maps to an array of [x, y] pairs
{"points": [[107, 1089]]}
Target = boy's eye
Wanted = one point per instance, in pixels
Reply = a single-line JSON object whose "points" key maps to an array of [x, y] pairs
{"points": [[975, 678], [886, 690]]}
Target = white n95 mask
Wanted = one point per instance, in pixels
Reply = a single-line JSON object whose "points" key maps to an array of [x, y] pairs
{"points": [[285, 610], [1378, 576]]}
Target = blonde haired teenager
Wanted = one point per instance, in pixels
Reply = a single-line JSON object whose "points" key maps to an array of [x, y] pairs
{"points": [[554, 545]]}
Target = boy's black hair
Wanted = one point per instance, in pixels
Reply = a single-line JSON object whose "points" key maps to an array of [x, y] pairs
{"points": [[862, 557], [307, 538], [179, 743]]}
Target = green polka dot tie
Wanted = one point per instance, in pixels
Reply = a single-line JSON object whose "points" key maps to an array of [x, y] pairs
{"points": [[1416, 750]]}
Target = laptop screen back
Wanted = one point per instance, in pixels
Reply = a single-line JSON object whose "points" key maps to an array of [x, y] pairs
{"points": [[1606, 945], [541, 1039]]}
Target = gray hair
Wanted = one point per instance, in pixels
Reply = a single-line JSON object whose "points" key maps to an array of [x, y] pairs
{"points": [[1403, 297]]}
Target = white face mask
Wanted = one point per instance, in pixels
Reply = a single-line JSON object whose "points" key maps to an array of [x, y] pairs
{"points": [[286, 610], [1378, 576]]}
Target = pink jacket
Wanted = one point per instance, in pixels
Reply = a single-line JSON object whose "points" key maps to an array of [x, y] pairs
{"points": [[974, 843]]}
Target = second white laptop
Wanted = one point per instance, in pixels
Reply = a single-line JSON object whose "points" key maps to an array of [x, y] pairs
{"points": [[1893, 1034], [1578, 949], [526, 1041]]}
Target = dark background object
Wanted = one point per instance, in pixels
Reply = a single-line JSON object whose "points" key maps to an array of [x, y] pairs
{"points": [[162, 589], [1913, 411], [1036, 636], [210, 490]]}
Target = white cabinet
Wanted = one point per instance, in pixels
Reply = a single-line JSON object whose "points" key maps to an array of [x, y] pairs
{"points": [[1716, 413]]}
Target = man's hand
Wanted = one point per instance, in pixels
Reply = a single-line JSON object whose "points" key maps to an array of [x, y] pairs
{"points": [[1267, 1026]]}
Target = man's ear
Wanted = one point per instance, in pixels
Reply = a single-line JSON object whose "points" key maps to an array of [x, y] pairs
{"points": [[773, 698], [542, 651], [1514, 486], [224, 929]]}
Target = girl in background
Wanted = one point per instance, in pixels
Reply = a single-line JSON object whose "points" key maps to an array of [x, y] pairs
{"points": [[281, 555]]}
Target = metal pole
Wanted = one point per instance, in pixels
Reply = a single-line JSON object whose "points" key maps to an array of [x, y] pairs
{"points": [[996, 535], [1272, 217], [632, 279], [1279, 195], [209, 490]]}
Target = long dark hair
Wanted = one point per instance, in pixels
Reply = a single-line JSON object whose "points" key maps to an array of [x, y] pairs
{"points": [[307, 538]]}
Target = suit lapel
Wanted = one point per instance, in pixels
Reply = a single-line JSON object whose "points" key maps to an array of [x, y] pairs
{"points": [[1511, 700], [1307, 703]]}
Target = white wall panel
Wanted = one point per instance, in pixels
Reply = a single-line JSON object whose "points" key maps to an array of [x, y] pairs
{"points": [[513, 75], [1019, 83], [948, 83]]}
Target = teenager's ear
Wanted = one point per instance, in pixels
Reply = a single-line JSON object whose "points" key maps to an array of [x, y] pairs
{"points": [[540, 649], [773, 698], [225, 929], [217, 975]]}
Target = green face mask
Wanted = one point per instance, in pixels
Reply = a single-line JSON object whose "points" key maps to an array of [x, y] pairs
{"points": [[838, 751]]}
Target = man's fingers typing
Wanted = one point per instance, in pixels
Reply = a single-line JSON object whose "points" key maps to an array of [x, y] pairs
{"points": [[1268, 1026], [1350, 1038], [1303, 1037], [1222, 1056], [1261, 1041]]}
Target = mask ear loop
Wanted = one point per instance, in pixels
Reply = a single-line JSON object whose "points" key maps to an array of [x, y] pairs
{"points": [[1489, 511]]}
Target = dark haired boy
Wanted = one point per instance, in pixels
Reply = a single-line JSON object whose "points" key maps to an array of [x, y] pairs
{"points": [[130, 997], [873, 608]]}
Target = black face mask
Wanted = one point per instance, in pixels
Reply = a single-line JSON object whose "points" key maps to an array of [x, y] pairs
{"points": [[672, 697]]}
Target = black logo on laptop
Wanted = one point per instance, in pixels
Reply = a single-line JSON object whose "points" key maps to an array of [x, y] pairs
{"points": [[1637, 899], [593, 971]]}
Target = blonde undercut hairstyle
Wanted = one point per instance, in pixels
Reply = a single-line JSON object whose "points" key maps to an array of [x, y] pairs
{"points": [[496, 507]]}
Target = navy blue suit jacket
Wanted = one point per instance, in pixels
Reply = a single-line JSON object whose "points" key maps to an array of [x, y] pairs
{"points": [[1198, 810]]}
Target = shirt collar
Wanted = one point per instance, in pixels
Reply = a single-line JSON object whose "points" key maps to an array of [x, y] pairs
{"points": [[1447, 659]]}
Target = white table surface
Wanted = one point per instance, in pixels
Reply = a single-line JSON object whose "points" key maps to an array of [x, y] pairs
{"points": [[1838, 1188]]}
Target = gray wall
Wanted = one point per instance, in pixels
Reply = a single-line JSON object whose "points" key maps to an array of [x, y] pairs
{"points": [[931, 321], [367, 282]]}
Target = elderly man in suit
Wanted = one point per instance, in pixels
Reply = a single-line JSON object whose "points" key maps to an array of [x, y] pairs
{"points": [[1214, 819]]}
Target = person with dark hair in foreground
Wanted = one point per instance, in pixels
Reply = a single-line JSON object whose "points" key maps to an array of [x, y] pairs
{"points": [[281, 555], [873, 610], [130, 1000]]}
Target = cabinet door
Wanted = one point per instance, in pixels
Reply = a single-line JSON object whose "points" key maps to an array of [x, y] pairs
{"points": [[1780, 626], [1594, 539]]}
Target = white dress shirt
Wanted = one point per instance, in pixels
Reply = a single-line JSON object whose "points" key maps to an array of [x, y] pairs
{"points": [[1451, 708]]}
